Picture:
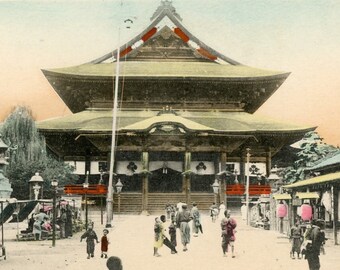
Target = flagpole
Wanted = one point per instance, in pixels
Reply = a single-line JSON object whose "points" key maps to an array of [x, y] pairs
{"points": [[109, 200]]}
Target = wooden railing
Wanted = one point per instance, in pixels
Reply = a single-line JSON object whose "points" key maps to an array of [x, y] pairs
{"points": [[240, 189]]}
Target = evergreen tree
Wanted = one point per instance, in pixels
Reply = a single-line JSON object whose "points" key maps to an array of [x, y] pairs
{"points": [[312, 150]]}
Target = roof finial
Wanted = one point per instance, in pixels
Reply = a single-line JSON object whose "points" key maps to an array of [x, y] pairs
{"points": [[165, 4]]}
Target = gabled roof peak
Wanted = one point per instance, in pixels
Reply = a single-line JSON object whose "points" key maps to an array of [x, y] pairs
{"points": [[165, 5]]}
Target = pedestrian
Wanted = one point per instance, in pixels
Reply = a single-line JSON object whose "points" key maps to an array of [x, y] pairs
{"points": [[166, 240], [37, 229], [168, 209], [182, 220], [104, 243], [114, 263], [228, 225], [221, 210], [196, 219], [159, 231], [173, 235], [213, 212], [68, 222], [179, 206], [296, 238], [316, 238], [91, 237], [62, 222]]}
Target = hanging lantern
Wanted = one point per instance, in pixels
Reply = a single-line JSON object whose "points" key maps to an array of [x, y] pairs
{"points": [[281, 210], [306, 212]]}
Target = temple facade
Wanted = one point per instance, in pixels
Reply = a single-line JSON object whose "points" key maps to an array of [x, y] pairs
{"points": [[185, 118]]}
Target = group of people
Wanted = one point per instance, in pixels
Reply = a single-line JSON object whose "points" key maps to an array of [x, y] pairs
{"points": [[308, 243], [181, 219], [40, 225]]}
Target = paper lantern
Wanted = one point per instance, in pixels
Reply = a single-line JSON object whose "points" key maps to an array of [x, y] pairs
{"points": [[306, 212], [281, 210]]}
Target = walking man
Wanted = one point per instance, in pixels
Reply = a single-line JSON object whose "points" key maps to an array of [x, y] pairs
{"points": [[228, 226], [316, 238], [182, 220], [296, 238]]}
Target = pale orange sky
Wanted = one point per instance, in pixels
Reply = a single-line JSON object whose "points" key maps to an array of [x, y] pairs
{"points": [[301, 37]]}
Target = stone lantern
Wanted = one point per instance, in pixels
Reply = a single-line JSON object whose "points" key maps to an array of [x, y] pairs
{"points": [[5, 186], [35, 185]]}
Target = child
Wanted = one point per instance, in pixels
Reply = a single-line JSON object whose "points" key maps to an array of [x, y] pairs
{"points": [[104, 244], [90, 236]]}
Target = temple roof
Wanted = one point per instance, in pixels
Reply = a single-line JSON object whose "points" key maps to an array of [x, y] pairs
{"points": [[168, 57], [169, 69], [100, 121]]}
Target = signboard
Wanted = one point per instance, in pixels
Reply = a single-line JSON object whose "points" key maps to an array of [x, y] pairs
{"points": [[296, 202]]}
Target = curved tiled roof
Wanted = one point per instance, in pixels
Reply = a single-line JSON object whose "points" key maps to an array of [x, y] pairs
{"points": [[168, 69], [227, 122]]}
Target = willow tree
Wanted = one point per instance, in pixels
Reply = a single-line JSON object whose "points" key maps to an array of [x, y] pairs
{"points": [[21, 134], [27, 154]]}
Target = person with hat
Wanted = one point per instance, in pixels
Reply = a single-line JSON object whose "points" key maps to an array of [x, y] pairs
{"points": [[317, 239], [104, 243], [182, 220]]}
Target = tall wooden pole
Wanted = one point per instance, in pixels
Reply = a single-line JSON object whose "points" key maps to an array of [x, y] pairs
{"points": [[109, 199]]}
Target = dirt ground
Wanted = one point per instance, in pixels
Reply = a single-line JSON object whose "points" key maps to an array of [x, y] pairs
{"points": [[131, 238]]}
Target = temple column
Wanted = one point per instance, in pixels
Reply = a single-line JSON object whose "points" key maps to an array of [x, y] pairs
{"points": [[88, 161], [242, 168], [145, 183], [186, 177], [223, 185], [268, 162]]}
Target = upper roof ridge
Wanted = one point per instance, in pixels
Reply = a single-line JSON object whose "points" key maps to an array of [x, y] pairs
{"points": [[165, 4], [167, 10]]}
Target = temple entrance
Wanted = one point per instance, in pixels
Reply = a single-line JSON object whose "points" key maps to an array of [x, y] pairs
{"points": [[165, 181]]}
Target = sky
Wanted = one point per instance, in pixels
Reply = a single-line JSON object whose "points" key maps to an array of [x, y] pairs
{"points": [[301, 37]]}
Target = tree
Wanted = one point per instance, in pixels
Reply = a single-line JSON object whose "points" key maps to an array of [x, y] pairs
{"points": [[28, 155], [312, 149]]}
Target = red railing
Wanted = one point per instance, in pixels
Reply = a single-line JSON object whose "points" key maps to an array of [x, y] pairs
{"points": [[240, 189], [91, 190]]}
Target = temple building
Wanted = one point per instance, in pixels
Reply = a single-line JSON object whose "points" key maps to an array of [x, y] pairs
{"points": [[185, 118]]}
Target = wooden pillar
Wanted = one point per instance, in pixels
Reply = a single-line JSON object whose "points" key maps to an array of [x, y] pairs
{"points": [[223, 186], [335, 202], [145, 183], [268, 162], [242, 168], [186, 177], [88, 161]]}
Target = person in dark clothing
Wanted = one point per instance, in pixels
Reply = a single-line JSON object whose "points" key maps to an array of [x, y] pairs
{"points": [[90, 236], [114, 263], [316, 239], [172, 234], [68, 223]]}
